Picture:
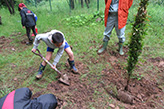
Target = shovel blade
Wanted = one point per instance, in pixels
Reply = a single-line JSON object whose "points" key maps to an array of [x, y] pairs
{"points": [[64, 79]]}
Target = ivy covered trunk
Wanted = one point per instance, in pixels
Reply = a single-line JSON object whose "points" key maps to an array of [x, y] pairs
{"points": [[136, 39]]}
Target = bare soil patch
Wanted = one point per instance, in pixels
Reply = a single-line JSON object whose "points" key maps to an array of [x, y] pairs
{"points": [[5, 43], [142, 93]]}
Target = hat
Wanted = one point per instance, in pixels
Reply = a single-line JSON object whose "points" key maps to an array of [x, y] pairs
{"points": [[21, 5]]}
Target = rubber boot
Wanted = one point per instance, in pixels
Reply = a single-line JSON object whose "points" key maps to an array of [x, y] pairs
{"points": [[40, 71], [72, 65], [103, 47], [36, 29], [121, 49]]}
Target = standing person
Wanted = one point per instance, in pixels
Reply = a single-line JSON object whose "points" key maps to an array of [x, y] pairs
{"points": [[54, 39], [116, 14], [28, 21]]}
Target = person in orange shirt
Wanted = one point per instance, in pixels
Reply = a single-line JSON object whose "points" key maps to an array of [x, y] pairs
{"points": [[116, 14]]}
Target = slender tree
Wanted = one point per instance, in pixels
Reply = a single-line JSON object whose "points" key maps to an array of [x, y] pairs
{"points": [[82, 4], [72, 4], [10, 5], [136, 39], [87, 3]]}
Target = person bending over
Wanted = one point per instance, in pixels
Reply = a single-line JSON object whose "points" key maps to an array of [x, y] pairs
{"points": [[54, 39]]}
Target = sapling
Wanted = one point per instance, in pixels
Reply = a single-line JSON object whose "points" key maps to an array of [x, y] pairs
{"points": [[136, 38]]}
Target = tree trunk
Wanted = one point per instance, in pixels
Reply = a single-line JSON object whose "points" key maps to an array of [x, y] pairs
{"points": [[8, 6], [72, 5], [12, 6], [11, 9], [82, 4], [86, 1]]}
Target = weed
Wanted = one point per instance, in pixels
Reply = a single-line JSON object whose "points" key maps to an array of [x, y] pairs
{"points": [[5, 90], [137, 76], [84, 20]]}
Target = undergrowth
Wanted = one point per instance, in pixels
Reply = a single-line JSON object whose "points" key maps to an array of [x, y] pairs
{"points": [[85, 20]]}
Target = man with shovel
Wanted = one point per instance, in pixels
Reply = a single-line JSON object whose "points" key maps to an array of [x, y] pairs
{"points": [[54, 39]]}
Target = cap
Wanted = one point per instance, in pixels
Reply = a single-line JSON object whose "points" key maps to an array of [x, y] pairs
{"points": [[21, 5]]}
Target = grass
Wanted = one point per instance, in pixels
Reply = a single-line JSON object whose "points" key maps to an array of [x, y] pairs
{"points": [[21, 63]]}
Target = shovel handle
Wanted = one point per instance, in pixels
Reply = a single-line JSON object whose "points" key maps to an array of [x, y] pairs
{"points": [[51, 65], [39, 54]]}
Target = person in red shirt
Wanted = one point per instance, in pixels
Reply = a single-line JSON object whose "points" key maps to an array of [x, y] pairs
{"points": [[116, 14]]}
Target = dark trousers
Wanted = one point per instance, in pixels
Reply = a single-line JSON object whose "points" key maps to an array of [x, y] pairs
{"points": [[28, 30]]}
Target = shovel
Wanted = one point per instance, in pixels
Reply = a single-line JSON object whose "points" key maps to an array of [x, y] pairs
{"points": [[63, 78]]}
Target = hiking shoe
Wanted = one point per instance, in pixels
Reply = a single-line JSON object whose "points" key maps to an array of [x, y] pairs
{"points": [[72, 65], [74, 70], [39, 75], [40, 71]]}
